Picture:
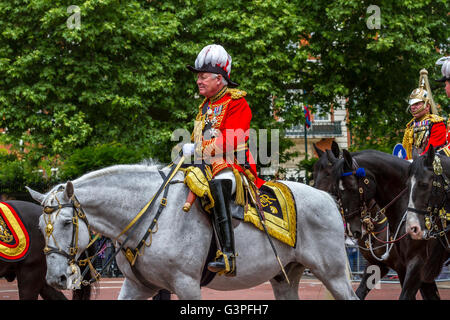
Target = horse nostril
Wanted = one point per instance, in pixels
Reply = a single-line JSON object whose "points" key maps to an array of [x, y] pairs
{"points": [[63, 279], [357, 234], [414, 229]]}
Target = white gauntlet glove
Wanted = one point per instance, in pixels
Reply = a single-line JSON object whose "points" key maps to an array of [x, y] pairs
{"points": [[188, 149]]}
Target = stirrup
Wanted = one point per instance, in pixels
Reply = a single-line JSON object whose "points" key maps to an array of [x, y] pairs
{"points": [[226, 269]]}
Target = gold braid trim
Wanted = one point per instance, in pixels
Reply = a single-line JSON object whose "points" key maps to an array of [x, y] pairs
{"points": [[408, 137], [250, 175], [236, 93], [446, 151], [219, 95], [199, 124], [240, 198]]}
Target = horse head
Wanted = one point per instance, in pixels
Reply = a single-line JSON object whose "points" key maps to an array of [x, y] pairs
{"points": [[428, 187], [66, 231], [323, 167], [355, 190]]}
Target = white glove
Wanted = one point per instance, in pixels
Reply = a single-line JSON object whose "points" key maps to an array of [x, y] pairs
{"points": [[188, 149]]}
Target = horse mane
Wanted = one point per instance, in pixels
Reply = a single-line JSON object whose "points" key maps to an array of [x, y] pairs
{"points": [[417, 165], [147, 165]]}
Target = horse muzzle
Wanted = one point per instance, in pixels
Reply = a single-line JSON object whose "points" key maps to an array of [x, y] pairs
{"points": [[64, 278], [74, 279], [415, 232]]}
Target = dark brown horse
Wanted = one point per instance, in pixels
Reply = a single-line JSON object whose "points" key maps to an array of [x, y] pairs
{"points": [[379, 184], [30, 271]]}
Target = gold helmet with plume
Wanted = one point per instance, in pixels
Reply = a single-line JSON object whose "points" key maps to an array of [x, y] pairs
{"points": [[423, 93]]}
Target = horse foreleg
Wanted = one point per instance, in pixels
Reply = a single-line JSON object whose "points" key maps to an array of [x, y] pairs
{"points": [[27, 283], [281, 289], [363, 289], [186, 288], [429, 291], [412, 281], [134, 291], [50, 293], [334, 273]]}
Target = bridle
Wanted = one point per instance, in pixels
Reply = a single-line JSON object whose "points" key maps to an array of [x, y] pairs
{"points": [[77, 214], [372, 217], [436, 214], [370, 213]]}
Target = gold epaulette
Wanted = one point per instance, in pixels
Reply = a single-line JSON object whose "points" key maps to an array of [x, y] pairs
{"points": [[435, 118], [236, 93]]}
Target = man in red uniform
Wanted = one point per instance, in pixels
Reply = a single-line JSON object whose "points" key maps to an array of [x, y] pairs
{"points": [[425, 129], [220, 136]]}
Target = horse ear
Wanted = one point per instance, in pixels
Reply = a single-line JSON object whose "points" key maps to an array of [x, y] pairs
{"points": [[319, 151], [348, 163], [331, 157], [39, 197], [69, 189], [335, 149], [429, 158]]}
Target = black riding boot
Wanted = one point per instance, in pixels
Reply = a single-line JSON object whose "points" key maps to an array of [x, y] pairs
{"points": [[221, 192]]}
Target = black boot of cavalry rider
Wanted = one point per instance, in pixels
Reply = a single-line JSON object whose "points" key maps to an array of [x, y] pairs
{"points": [[221, 192]]}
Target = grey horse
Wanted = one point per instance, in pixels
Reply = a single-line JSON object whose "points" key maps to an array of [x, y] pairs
{"points": [[175, 258]]}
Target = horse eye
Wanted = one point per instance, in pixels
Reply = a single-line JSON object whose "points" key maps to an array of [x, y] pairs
{"points": [[422, 184]]}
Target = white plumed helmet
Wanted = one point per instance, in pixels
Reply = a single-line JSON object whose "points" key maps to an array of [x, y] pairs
{"points": [[445, 69], [214, 59]]}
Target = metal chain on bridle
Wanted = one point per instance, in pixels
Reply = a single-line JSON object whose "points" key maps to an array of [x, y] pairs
{"points": [[436, 214], [372, 217]]}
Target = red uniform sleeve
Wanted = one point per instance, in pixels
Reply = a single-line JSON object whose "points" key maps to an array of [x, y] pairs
{"points": [[438, 136]]}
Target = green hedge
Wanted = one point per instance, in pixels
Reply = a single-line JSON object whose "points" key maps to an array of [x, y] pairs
{"points": [[96, 157]]}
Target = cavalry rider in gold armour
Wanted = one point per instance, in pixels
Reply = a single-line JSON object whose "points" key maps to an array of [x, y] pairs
{"points": [[220, 137], [427, 127]]}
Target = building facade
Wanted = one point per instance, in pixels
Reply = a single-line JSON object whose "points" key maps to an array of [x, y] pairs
{"points": [[322, 132]]}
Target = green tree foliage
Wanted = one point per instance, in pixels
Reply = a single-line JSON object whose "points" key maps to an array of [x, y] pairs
{"points": [[91, 158], [308, 166], [121, 76], [16, 173]]}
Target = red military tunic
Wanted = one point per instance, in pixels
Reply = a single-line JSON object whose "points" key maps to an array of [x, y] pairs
{"points": [[222, 130], [420, 134]]}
